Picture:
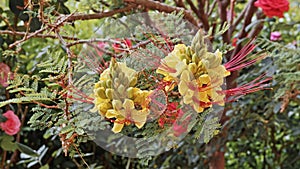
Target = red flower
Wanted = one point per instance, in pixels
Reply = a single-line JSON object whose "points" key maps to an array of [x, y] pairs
{"points": [[273, 7], [4, 71], [12, 125]]}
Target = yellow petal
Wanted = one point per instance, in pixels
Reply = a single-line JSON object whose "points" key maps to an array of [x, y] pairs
{"points": [[203, 97], [204, 79], [182, 87], [139, 116], [197, 108], [139, 124], [185, 76], [128, 71], [180, 67], [111, 113], [117, 104], [105, 75], [192, 67], [128, 104], [187, 99], [117, 127]]}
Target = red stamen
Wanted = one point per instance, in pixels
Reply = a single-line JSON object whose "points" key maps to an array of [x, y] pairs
{"points": [[239, 61], [253, 86]]}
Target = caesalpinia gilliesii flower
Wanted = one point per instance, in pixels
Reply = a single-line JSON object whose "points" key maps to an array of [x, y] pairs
{"points": [[117, 98], [198, 73]]}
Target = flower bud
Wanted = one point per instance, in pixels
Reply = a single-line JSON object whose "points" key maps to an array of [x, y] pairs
{"points": [[109, 93], [101, 93]]}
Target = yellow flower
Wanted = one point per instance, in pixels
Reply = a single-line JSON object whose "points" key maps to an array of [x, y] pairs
{"points": [[126, 114], [191, 90], [199, 78], [117, 99], [170, 83], [175, 62]]}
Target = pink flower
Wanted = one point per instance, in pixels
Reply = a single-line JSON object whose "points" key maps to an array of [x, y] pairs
{"points": [[273, 7], [275, 36], [12, 125], [4, 71]]}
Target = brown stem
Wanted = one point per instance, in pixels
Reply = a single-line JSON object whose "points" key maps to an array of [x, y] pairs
{"points": [[100, 15], [257, 29], [7, 23], [222, 4], [248, 16], [154, 5], [238, 19], [3, 158], [200, 13], [247, 20], [180, 3], [209, 12], [39, 35], [232, 2]]}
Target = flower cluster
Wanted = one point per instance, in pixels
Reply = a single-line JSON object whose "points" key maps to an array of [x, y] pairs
{"points": [[195, 74], [199, 75], [117, 98]]}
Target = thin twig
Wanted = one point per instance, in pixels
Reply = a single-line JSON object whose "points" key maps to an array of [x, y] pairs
{"points": [[222, 4], [100, 15], [154, 5], [209, 12], [7, 32], [6, 22], [203, 16], [231, 17], [238, 19], [200, 13], [91, 41]]}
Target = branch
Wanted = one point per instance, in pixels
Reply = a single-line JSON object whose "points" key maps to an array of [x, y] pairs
{"points": [[164, 8], [209, 12], [238, 20], [203, 15], [39, 35], [100, 15], [257, 29], [248, 16], [200, 14], [27, 36], [232, 2], [222, 4], [91, 41], [59, 22], [180, 3]]}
